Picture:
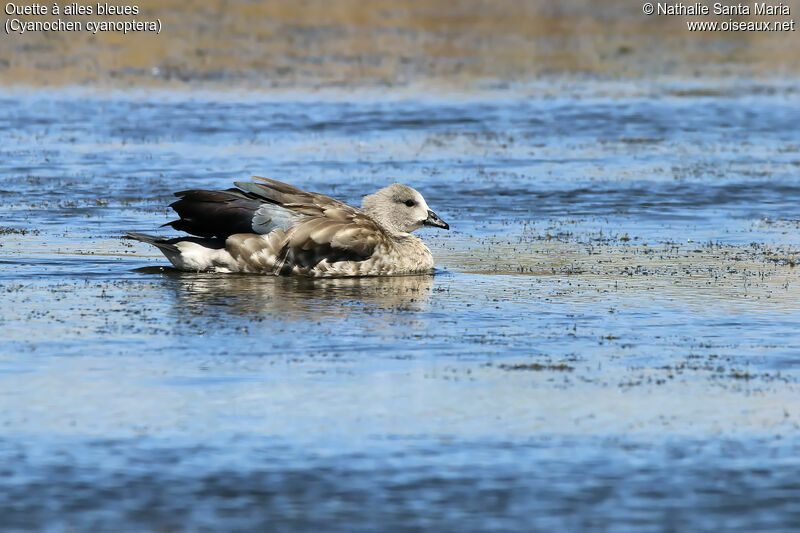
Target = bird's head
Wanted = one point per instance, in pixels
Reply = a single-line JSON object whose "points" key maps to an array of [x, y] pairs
{"points": [[400, 209]]}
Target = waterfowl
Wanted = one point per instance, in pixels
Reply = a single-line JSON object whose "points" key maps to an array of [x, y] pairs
{"points": [[269, 227]]}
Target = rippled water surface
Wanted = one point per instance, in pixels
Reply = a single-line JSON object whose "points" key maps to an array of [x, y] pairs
{"points": [[611, 337]]}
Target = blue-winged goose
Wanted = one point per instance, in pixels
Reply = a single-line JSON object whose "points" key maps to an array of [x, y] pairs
{"points": [[270, 227]]}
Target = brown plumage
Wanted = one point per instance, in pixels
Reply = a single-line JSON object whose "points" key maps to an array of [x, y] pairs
{"points": [[267, 226]]}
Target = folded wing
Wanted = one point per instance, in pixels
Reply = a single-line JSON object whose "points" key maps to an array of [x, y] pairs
{"points": [[214, 213], [314, 228]]}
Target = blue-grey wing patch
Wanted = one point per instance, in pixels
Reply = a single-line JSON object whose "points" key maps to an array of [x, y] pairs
{"points": [[271, 216]]}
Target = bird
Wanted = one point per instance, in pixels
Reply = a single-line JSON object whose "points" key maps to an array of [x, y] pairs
{"points": [[265, 226]]}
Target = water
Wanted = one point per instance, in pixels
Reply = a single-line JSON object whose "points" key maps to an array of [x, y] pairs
{"points": [[610, 339]]}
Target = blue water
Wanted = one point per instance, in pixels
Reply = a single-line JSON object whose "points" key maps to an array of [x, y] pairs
{"points": [[610, 340]]}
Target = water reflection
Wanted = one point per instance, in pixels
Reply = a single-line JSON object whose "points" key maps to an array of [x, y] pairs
{"points": [[256, 296]]}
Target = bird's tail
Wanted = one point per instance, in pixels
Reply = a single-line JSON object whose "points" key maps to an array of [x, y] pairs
{"points": [[165, 245], [190, 253]]}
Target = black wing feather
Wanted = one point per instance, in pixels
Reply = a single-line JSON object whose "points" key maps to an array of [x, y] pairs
{"points": [[214, 213]]}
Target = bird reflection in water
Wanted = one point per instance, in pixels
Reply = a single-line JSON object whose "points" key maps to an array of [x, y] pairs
{"points": [[295, 298]]}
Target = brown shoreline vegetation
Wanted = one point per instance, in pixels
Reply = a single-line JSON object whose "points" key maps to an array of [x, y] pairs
{"points": [[317, 43]]}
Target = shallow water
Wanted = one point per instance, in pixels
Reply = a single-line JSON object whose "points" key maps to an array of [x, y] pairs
{"points": [[610, 338]]}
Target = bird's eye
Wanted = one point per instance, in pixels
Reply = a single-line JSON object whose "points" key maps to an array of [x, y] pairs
{"points": [[410, 203]]}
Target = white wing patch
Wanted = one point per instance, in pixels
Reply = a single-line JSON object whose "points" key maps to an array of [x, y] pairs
{"points": [[271, 216]]}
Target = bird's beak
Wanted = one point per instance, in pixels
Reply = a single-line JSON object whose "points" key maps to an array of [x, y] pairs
{"points": [[434, 220]]}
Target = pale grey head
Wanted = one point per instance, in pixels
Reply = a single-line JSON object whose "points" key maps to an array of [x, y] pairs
{"points": [[400, 209]]}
